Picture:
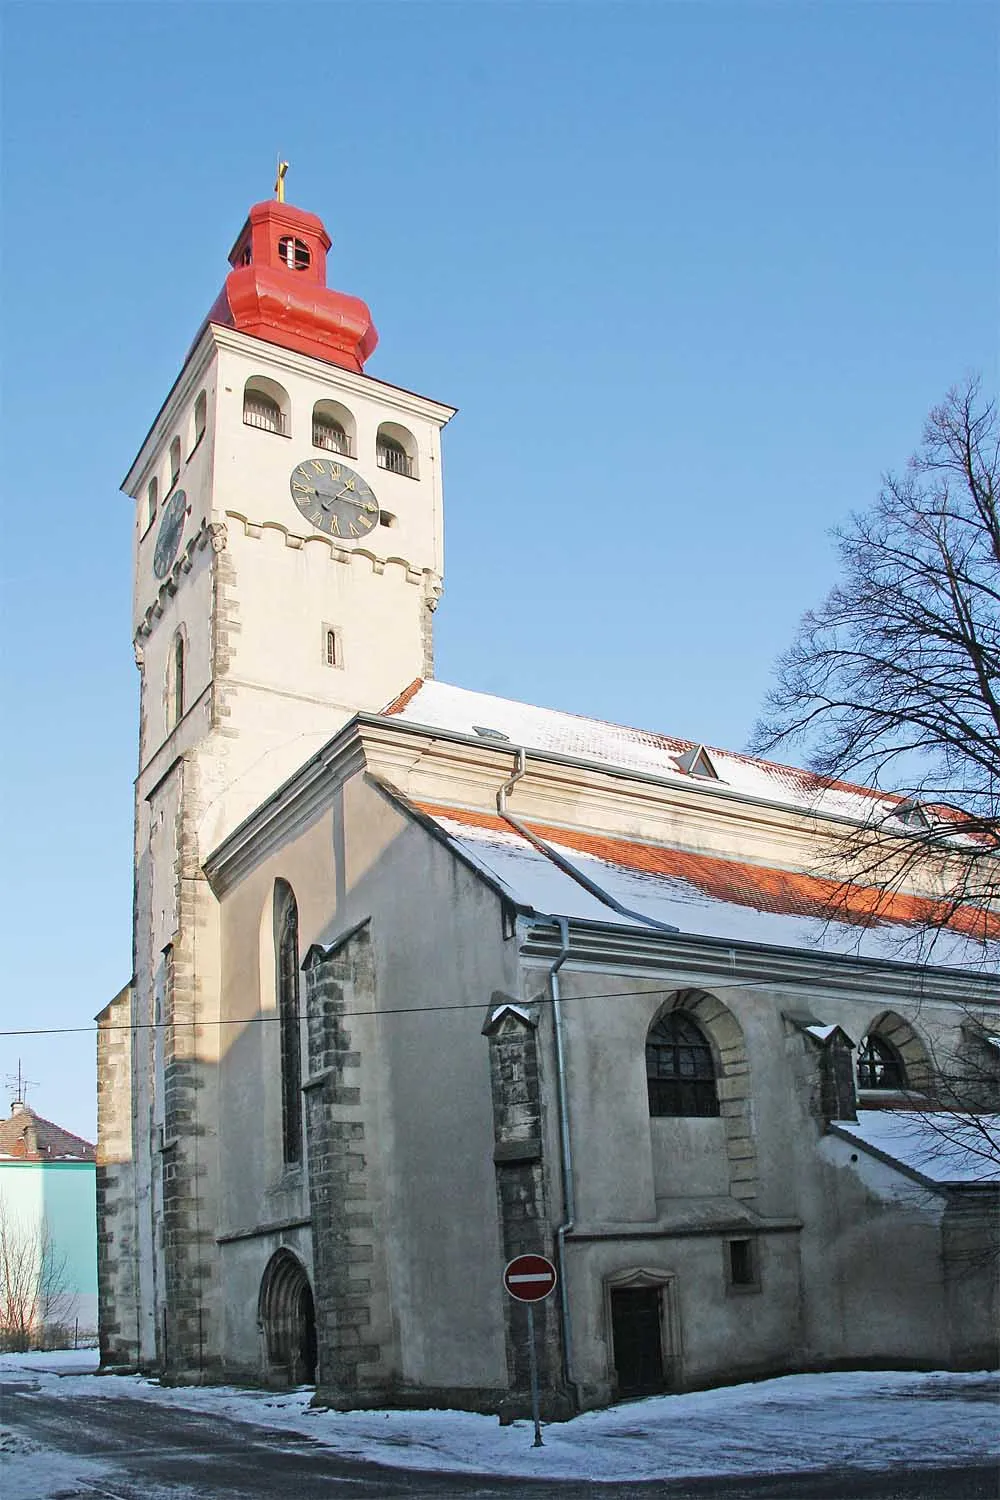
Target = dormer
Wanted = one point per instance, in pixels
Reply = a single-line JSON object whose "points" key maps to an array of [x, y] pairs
{"points": [[697, 762]]}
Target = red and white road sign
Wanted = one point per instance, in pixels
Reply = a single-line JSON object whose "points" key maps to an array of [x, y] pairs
{"points": [[529, 1278]]}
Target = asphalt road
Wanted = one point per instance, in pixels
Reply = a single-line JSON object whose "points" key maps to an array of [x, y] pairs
{"points": [[157, 1453]]}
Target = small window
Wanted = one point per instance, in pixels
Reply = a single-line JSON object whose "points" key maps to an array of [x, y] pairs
{"points": [[329, 434], [742, 1263], [680, 1069], [390, 454], [152, 500], [261, 410], [200, 418], [386, 518], [177, 686], [879, 1065], [294, 253], [246, 255], [331, 647], [175, 461]]}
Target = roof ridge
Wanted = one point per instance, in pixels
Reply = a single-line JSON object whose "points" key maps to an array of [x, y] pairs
{"points": [[669, 742]]}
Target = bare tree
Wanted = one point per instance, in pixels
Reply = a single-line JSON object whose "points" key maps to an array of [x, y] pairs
{"points": [[34, 1290], [894, 682]]}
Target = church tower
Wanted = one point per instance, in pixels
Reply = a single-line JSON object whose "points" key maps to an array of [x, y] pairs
{"points": [[288, 557]]}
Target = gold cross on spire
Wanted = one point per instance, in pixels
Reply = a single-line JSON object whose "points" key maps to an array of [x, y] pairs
{"points": [[279, 181]]}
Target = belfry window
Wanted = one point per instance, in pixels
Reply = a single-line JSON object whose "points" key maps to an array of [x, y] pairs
{"points": [[390, 454], [286, 933], [175, 461], [879, 1065], [261, 409], [329, 434], [294, 252], [152, 499], [680, 1069]]}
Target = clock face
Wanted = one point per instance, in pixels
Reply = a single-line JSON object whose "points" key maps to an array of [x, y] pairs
{"points": [[169, 536], [334, 498]]}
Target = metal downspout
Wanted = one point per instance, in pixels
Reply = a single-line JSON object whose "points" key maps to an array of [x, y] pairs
{"points": [[566, 1152]]}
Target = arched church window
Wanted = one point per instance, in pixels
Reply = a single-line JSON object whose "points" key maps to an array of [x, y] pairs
{"points": [[152, 500], [177, 683], [395, 450], [680, 1068], [175, 461], [263, 408], [294, 252], [879, 1064], [286, 934]]}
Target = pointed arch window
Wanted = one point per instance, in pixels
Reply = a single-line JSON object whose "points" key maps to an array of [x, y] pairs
{"points": [[680, 1068], [175, 461], [879, 1064], [286, 934]]}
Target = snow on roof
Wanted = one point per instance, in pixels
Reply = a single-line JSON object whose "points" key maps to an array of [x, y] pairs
{"points": [[697, 893], [944, 1148], [437, 705]]}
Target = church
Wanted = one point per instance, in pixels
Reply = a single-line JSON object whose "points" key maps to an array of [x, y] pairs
{"points": [[424, 979]]}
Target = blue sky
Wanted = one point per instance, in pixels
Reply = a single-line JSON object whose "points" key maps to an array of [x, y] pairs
{"points": [[693, 274]]}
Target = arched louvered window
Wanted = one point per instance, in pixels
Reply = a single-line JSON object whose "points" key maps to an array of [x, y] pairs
{"points": [[680, 1069], [152, 500], [286, 934], [175, 461], [879, 1065]]}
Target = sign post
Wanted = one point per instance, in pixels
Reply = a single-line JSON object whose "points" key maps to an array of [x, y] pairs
{"points": [[530, 1279]]}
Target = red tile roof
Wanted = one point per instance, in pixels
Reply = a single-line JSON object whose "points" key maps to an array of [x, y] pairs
{"points": [[28, 1137], [761, 887]]}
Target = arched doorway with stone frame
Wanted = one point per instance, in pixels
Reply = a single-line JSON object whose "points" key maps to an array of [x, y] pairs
{"points": [[287, 1318]]}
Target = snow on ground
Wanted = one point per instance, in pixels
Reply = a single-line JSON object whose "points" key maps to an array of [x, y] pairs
{"points": [[800, 1422]]}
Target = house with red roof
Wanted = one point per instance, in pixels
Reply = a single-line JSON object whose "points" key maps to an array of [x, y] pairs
{"points": [[426, 979], [48, 1222]]}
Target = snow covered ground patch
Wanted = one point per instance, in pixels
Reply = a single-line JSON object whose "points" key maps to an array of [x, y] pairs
{"points": [[872, 1420]]}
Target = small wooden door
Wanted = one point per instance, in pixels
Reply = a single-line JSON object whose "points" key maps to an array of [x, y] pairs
{"points": [[638, 1347]]}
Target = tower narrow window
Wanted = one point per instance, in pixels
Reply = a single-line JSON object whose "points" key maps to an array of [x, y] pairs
{"points": [[177, 695], [175, 461], [332, 653], [286, 931], [680, 1069], [152, 499], [200, 418]]}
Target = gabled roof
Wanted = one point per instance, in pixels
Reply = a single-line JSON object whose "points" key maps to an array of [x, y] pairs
{"points": [[25, 1136], [700, 894], [439, 706]]}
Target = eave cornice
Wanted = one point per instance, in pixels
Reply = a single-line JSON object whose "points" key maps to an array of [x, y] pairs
{"points": [[743, 965]]}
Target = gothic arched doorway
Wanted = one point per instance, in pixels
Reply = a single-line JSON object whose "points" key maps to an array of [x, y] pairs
{"points": [[286, 1313]]}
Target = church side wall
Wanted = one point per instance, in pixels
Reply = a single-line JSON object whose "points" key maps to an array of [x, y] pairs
{"points": [[402, 1136]]}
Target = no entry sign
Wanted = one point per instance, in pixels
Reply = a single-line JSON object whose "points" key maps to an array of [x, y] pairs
{"points": [[529, 1278]]}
